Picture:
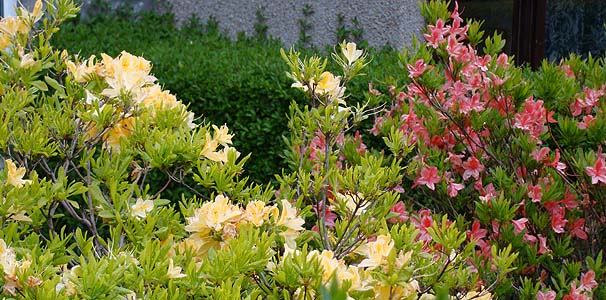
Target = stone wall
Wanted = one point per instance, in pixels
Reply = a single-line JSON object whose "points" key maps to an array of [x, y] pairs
{"points": [[383, 22]]}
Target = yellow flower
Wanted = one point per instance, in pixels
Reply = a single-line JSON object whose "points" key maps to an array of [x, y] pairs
{"points": [[15, 175], [427, 296], [126, 82], [219, 156], [350, 201], [35, 15], [66, 282], [155, 97], [83, 71], [126, 72], [484, 295], [124, 63], [5, 41], [132, 63], [11, 267], [256, 212], [360, 279], [329, 263], [397, 291], [209, 147], [213, 215], [330, 85], [140, 209], [293, 223], [174, 272], [120, 131], [327, 83], [199, 243], [376, 252], [37, 12], [403, 258], [222, 135], [7, 256], [27, 61], [18, 215], [13, 25], [350, 52]]}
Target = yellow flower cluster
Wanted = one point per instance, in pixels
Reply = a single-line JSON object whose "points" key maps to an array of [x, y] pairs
{"points": [[15, 175], [328, 85], [376, 252], [140, 209], [129, 76], [218, 221], [358, 277], [404, 291], [483, 295], [350, 52], [67, 278], [353, 201], [11, 26], [11, 267], [221, 137]]}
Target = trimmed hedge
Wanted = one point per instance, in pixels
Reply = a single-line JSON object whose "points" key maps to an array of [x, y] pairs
{"points": [[238, 82]]}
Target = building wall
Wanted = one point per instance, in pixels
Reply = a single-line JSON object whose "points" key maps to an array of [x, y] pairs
{"points": [[383, 22]]}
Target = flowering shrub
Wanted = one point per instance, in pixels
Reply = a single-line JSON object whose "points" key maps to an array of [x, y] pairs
{"points": [[488, 186], [359, 222], [517, 153], [81, 220]]}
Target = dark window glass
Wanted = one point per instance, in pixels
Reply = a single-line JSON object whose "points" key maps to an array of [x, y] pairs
{"points": [[496, 14], [575, 26]]}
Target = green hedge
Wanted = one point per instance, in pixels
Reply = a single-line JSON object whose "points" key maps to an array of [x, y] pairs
{"points": [[238, 82]]}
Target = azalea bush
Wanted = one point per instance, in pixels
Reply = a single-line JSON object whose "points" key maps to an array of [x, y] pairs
{"points": [[213, 74], [517, 154], [82, 219]]}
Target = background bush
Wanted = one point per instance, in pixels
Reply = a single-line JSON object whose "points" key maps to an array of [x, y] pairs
{"points": [[238, 82]]}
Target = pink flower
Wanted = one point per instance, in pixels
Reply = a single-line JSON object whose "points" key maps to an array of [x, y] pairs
{"points": [[558, 221], [556, 163], [519, 225], [575, 293], [542, 244], [436, 34], [503, 60], [588, 281], [529, 238], [534, 192], [477, 232], [400, 209], [533, 118], [418, 69], [550, 295], [454, 188], [469, 104], [429, 176], [578, 229], [597, 172], [472, 167], [540, 154], [587, 122]]}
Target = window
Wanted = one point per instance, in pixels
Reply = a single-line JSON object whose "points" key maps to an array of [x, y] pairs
{"points": [[538, 29], [521, 22], [7, 8]]}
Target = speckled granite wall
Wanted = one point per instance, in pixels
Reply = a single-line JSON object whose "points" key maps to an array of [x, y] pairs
{"points": [[383, 21]]}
